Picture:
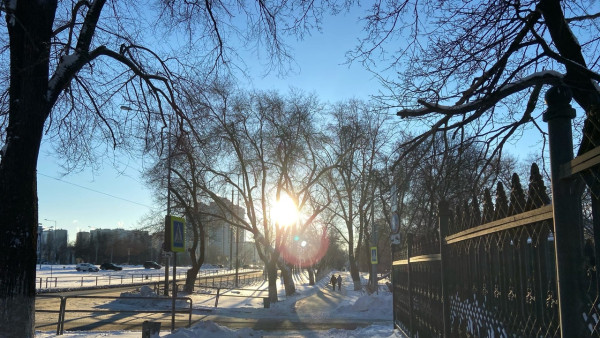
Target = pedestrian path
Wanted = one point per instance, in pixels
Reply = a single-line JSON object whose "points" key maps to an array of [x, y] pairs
{"points": [[324, 300]]}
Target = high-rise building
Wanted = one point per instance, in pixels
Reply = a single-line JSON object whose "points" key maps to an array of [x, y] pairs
{"points": [[221, 235], [52, 246], [114, 245]]}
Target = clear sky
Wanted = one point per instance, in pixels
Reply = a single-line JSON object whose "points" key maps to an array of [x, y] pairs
{"points": [[114, 198]]}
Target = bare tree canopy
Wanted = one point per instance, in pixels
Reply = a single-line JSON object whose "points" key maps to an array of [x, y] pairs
{"points": [[478, 67], [83, 73]]}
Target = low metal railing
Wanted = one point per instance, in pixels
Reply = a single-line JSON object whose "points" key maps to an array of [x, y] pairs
{"points": [[89, 280], [63, 307]]}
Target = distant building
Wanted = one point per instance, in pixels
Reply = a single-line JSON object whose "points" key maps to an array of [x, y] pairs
{"points": [[113, 245], [52, 246], [221, 236]]}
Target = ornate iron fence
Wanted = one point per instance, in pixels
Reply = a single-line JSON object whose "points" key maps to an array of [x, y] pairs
{"points": [[494, 272]]}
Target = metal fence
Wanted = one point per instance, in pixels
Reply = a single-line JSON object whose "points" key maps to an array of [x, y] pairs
{"points": [[151, 307], [224, 285], [92, 280], [494, 272]]}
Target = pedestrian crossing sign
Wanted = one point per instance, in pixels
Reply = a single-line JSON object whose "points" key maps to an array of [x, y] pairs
{"points": [[373, 255], [175, 234]]}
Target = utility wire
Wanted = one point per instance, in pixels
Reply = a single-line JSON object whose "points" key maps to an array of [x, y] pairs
{"points": [[93, 190]]}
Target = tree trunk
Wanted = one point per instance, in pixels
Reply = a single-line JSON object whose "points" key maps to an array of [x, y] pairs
{"points": [[199, 239], [29, 30], [354, 273], [311, 275], [272, 280], [18, 238], [190, 278], [584, 89], [288, 280], [352, 260]]}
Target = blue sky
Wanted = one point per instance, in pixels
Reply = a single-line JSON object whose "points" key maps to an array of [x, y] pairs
{"points": [[111, 198]]}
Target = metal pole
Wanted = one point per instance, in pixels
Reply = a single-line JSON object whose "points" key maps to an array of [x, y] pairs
{"points": [[443, 218], [237, 242], [409, 238], [230, 247], [41, 244], [374, 240], [53, 243], [166, 293], [566, 208], [174, 291]]}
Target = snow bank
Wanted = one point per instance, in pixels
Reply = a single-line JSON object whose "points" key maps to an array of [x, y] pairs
{"points": [[377, 305]]}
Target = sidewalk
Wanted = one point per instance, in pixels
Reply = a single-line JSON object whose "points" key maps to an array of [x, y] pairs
{"points": [[317, 308], [324, 300]]}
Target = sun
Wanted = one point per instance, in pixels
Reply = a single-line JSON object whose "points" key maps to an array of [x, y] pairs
{"points": [[285, 211]]}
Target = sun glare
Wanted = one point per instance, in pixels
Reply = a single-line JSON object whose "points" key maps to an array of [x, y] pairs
{"points": [[285, 211]]}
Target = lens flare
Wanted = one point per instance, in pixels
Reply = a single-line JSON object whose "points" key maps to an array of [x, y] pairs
{"points": [[305, 253]]}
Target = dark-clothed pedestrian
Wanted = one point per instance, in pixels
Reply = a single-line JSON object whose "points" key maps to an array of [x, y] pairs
{"points": [[339, 282], [333, 281]]}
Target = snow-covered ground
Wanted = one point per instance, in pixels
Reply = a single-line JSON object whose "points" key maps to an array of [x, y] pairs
{"points": [[65, 276], [310, 303]]}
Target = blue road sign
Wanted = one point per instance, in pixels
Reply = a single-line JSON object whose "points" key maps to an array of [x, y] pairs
{"points": [[177, 234]]}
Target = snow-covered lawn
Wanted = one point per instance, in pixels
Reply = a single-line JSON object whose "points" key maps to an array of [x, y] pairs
{"points": [[310, 303], [66, 277]]}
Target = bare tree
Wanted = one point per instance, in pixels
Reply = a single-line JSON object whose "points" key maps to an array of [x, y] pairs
{"points": [[184, 179], [476, 69], [67, 67], [260, 146], [360, 139], [444, 169]]}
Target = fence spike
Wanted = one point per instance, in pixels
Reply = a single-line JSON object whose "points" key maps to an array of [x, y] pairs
{"points": [[501, 202], [466, 216], [457, 219], [488, 206], [536, 196], [517, 196], [475, 212]]}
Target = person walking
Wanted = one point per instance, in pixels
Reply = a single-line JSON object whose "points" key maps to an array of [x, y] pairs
{"points": [[333, 281], [339, 282]]}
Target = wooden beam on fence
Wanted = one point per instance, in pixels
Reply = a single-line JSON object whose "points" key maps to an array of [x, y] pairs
{"points": [[581, 163], [401, 262], [426, 258], [537, 215]]}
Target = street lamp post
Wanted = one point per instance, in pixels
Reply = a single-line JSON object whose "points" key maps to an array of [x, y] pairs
{"points": [[52, 248], [40, 243]]}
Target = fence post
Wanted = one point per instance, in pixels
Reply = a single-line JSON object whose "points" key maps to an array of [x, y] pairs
{"points": [[217, 297], [61, 316], [409, 239], [566, 209], [443, 215]]}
